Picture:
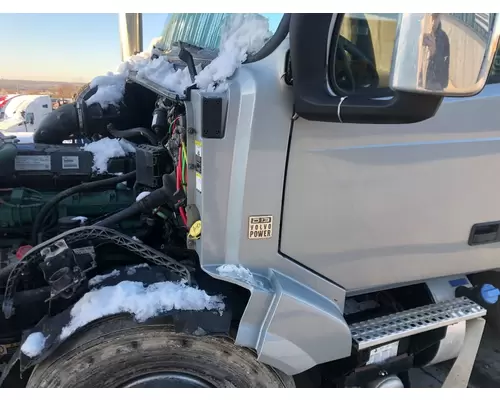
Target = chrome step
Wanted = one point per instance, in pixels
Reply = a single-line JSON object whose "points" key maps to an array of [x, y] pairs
{"points": [[392, 327]]}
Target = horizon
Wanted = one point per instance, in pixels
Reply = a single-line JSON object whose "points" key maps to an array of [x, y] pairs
{"points": [[69, 48], [41, 81]]}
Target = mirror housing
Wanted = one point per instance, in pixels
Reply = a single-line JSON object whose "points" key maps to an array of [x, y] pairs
{"points": [[29, 118], [444, 54], [310, 39]]}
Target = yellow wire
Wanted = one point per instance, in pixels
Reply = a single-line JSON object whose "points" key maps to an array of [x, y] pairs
{"points": [[184, 152]]}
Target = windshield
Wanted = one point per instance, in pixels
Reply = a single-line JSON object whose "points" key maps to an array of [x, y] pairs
{"points": [[201, 30]]}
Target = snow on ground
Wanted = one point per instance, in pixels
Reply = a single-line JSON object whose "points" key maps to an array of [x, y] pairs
{"points": [[141, 195], [242, 34], [34, 344], [99, 278], [107, 148], [140, 301], [237, 272]]}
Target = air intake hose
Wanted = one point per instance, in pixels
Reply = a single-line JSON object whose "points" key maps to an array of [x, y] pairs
{"points": [[58, 126], [133, 132]]}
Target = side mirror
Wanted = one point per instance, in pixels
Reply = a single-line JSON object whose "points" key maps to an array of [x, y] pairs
{"points": [[434, 56], [444, 54]]}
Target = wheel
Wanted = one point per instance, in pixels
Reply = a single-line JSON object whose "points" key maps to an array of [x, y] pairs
{"points": [[120, 353]]}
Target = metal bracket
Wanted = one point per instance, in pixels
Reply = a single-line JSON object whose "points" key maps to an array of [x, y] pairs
{"points": [[86, 233], [459, 374]]}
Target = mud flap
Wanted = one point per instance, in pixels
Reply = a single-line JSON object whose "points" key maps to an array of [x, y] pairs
{"points": [[460, 372]]}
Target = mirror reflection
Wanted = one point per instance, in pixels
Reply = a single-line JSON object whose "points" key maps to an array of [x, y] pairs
{"points": [[451, 52]]}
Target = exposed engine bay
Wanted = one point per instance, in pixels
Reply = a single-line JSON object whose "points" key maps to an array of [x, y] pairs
{"points": [[66, 219]]}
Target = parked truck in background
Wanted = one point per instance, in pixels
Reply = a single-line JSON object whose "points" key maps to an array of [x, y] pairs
{"points": [[24, 113], [321, 216], [4, 100]]}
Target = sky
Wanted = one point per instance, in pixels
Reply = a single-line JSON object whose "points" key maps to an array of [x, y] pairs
{"points": [[69, 47], [64, 47]]}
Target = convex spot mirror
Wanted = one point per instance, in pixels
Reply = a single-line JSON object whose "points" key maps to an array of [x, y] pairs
{"points": [[444, 54]]}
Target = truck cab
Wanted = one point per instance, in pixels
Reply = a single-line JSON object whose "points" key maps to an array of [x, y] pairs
{"points": [[308, 196]]}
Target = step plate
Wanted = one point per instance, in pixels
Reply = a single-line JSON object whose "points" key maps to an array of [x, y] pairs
{"points": [[392, 327]]}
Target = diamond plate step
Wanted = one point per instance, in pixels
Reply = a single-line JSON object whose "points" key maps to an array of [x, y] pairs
{"points": [[392, 327]]}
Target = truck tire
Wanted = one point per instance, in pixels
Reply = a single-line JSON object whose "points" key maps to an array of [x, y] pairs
{"points": [[121, 353]]}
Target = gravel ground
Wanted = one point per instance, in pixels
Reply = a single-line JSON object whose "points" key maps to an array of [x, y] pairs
{"points": [[486, 373]]}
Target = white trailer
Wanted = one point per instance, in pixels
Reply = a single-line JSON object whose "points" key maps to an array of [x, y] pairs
{"points": [[4, 101], [24, 113]]}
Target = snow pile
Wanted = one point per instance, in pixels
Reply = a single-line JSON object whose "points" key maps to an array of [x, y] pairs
{"points": [[110, 87], [107, 148], [99, 278], [162, 72], [34, 344], [237, 272], [132, 270], [241, 34], [81, 219], [141, 195], [140, 301], [154, 42]]}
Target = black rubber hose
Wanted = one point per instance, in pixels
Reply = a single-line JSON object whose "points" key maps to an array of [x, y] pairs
{"points": [[273, 42], [84, 187], [128, 133], [146, 205], [58, 125], [114, 219], [5, 272], [30, 296]]}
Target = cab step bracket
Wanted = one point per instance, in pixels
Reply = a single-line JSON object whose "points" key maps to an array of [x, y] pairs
{"points": [[406, 323]]}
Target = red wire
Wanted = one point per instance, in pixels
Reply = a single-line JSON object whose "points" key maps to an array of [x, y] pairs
{"points": [[179, 169], [183, 215], [178, 185], [174, 124]]}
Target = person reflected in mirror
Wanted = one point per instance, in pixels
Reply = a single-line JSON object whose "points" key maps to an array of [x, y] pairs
{"points": [[438, 45]]}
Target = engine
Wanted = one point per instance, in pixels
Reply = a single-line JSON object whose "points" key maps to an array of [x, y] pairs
{"points": [[53, 166], [68, 212]]}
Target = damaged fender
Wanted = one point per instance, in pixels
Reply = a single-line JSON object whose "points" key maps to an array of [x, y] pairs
{"points": [[198, 323]]}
